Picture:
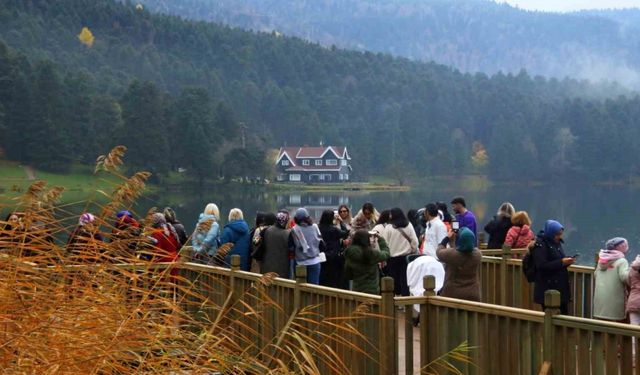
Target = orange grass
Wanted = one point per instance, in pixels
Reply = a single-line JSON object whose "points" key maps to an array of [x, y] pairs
{"points": [[105, 310]]}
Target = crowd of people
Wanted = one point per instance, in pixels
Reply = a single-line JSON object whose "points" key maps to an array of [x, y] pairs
{"points": [[354, 252]]}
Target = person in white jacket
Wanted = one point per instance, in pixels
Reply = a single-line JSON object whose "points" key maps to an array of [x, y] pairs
{"points": [[435, 232], [402, 241]]}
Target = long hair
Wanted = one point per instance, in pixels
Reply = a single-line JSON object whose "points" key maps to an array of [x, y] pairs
{"points": [[327, 218], [212, 209], [506, 209], [398, 218], [384, 217]]}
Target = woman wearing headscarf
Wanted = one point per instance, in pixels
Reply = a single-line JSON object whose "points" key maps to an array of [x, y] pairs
{"points": [[86, 241], [125, 236], [206, 237], [361, 261], [274, 256], [611, 275], [165, 238], [551, 265], [172, 220], [307, 241], [263, 221], [461, 266]]}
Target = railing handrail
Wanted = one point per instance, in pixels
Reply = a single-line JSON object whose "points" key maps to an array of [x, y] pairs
{"points": [[486, 308], [603, 326]]}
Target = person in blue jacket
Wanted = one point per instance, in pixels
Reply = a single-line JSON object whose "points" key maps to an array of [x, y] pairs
{"points": [[237, 233], [206, 236]]}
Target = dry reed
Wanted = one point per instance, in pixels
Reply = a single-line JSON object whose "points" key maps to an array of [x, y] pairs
{"points": [[104, 309]]}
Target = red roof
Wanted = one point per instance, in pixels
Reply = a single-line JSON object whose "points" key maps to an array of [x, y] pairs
{"points": [[295, 153]]}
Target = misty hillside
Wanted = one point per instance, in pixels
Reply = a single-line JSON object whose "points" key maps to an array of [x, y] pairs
{"points": [[137, 78], [471, 35]]}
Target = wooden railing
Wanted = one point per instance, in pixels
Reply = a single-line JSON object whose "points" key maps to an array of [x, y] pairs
{"points": [[503, 283], [505, 340]]}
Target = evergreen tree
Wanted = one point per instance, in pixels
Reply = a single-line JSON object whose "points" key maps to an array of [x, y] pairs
{"points": [[195, 133], [144, 130]]}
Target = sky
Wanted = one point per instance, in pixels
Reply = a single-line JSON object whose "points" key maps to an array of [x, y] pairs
{"points": [[571, 5]]}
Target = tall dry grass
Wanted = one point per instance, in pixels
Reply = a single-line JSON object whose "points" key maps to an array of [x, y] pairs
{"points": [[107, 310]]}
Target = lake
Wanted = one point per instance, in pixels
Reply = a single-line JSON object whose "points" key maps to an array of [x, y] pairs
{"points": [[590, 214]]}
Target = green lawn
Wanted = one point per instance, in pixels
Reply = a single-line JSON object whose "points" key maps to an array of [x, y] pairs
{"points": [[80, 183]]}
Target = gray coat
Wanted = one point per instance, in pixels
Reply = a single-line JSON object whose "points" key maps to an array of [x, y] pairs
{"points": [[276, 251], [461, 273]]}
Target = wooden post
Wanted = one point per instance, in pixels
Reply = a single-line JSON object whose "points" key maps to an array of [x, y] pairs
{"points": [[506, 255], [301, 278], [552, 308], [429, 283], [481, 243], [388, 337]]}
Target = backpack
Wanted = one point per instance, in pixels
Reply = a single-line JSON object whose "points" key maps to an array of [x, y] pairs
{"points": [[528, 266]]}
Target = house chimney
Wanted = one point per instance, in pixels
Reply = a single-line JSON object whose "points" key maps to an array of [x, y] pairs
{"points": [[321, 143]]}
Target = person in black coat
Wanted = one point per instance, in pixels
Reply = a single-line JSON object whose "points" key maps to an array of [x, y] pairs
{"points": [[331, 273], [551, 265], [499, 226]]}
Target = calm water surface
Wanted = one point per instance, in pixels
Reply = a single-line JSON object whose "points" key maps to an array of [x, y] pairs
{"points": [[591, 215]]}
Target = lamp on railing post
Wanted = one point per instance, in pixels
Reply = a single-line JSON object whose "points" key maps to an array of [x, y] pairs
{"points": [[551, 308], [506, 255], [388, 337], [429, 283]]}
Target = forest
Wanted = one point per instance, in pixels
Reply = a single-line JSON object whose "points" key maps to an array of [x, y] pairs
{"points": [[470, 35], [184, 94]]}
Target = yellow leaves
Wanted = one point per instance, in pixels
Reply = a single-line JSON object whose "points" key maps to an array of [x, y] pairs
{"points": [[479, 157], [86, 37]]}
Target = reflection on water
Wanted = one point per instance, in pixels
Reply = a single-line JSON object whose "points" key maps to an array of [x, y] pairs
{"points": [[590, 215]]}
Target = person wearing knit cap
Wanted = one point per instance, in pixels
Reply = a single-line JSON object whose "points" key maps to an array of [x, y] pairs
{"points": [[307, 241], [611, 276], [461, 266], [551, 265]]}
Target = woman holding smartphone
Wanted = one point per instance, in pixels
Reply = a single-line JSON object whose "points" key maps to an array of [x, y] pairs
{"points": [[362, 258], [551, 265]]}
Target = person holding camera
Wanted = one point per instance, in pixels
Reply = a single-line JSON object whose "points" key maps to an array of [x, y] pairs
{"points": [[361, 261], [461, 265], [551, 265]]}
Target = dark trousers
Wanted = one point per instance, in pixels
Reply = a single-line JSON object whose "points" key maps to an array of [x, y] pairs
{"points": [[397, 269]]}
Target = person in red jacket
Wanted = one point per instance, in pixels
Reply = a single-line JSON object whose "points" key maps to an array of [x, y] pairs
{"points": [[166, 240]]}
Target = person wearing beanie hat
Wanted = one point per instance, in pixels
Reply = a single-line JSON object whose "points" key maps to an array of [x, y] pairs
{"points": [[611, 275], [551, 265], [461, 266], [307, 243]]}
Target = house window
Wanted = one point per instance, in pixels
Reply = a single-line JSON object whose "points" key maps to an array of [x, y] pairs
{"points": [[341, 177], [285, 163], [318, 162], [343, 162], [295, 199], [281, 177], [305, 162], [294, 177], [346, 177], [327, 177], [332, 162]]}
